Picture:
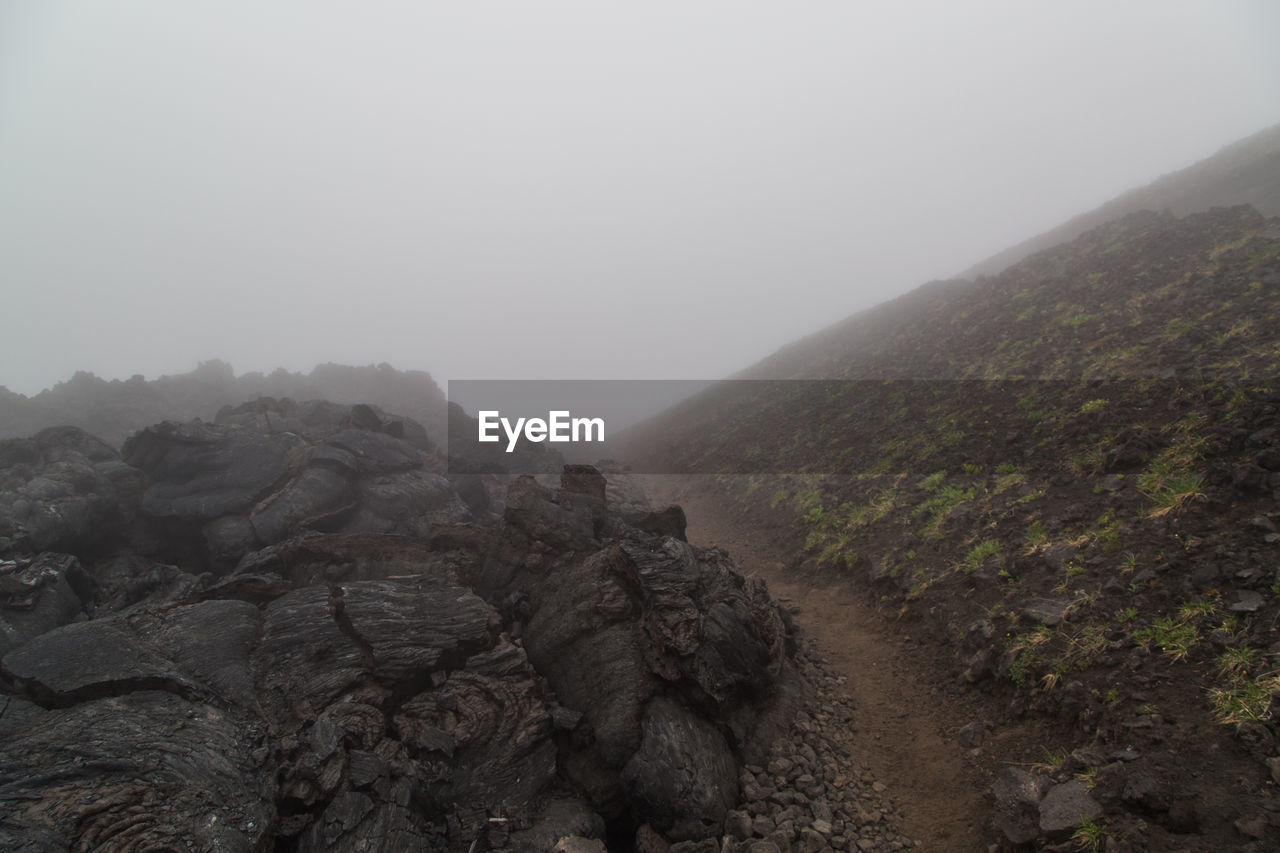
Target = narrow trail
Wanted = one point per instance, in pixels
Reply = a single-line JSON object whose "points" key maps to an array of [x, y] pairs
{"points": [[900, 728]]}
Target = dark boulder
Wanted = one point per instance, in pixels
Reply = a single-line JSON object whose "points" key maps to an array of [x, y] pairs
{"points": [[38, 595], [199, 652], [131, 580], [62, 490], [683, 779], [613, 624], [315, 420], [583, 480], [199, 472], [1017, 796], [249, 482], [668, 521], [144, 771], [316, 496]]}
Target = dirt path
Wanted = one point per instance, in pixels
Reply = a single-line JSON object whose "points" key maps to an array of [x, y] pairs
{"points": [[899, 733]]}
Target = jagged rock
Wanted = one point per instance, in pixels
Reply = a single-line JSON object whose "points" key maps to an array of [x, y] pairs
{"points": [[737, 825], [668, 521], [146, 770], [375, 452], [130, 580], [623, 492], [1244, 601], [230, 537], [1017, 804], [1046, 611], [198, 472], [490, 719], [1064, 806], [683, 779], [62, 490], [250, 484], [407, 503], [315, 420], [447, 555], [583, 480], [558, 819], [317, 494], [198, 652], [356, 688], [39, 595], [317, 642], [543, 516]]}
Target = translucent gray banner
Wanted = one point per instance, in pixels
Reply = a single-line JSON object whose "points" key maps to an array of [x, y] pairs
{"points": [[791, 426]]}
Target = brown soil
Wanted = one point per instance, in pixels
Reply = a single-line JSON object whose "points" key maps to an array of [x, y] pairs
{"points": [[901, 731]]}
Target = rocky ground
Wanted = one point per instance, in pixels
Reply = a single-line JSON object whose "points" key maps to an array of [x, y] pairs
{"points": [[812, 793], [286, 630]]}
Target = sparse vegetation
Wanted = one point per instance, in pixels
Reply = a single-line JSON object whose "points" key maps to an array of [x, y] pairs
{"points": [[980, 553], [1170, 636], [1245, 699], [1089, 835], [1036, 535], [1121, 501]]}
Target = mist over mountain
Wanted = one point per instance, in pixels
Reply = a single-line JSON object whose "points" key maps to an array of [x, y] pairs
{"points": [[986, 563], [1244, 172], [1060, 481], [112, 410]]}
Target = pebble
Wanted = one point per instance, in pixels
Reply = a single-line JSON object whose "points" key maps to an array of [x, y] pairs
{"points": [[811, 795]]}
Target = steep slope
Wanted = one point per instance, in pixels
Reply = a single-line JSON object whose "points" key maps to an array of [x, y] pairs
{"points": [[1100, 305], [1062, 482], [1245, 172]]}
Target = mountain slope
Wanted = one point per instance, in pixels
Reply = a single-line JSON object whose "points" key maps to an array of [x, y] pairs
{"points": [[1099, 305], [1063, 482], [1245, 172]]}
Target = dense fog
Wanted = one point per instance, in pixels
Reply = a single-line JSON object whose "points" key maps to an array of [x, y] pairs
{"points": [[559, 190]]}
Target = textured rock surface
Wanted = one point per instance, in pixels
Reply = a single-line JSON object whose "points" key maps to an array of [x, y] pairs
{"points": [[271, 470], [1017, 808], [62, 490], [148, 769], [38, 595], [359, 670]]}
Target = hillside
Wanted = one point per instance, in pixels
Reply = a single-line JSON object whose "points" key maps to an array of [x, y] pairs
{"points": [[1061, 482], [114, 409], [1098, 306], [1245, 172]]}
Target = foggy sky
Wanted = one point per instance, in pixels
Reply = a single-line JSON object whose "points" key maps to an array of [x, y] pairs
{"points": [[561, 190]]}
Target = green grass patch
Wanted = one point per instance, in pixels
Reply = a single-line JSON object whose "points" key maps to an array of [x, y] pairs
{"points": [[980, 553], [1174, 638], [1036, 535], [1245, 700], [934, 481], [1172, 477]]}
